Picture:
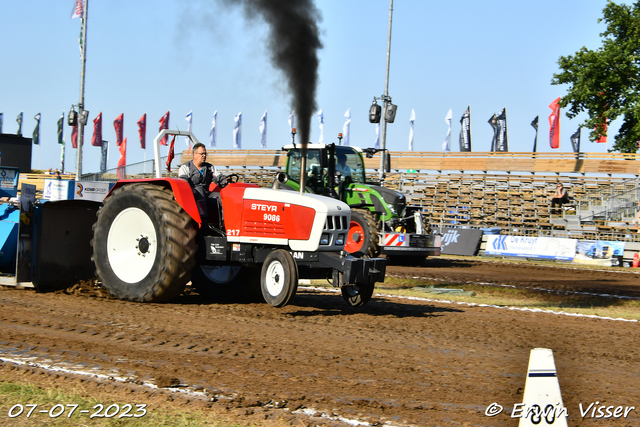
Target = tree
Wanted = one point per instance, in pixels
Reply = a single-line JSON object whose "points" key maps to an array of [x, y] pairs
{"points": [[605, 82]]}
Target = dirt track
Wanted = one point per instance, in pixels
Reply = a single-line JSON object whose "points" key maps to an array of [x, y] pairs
{"points": [[399, 361]]}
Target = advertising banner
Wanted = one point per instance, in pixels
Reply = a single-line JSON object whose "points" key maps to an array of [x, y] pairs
{"points": [[531, 247], [460, 241], [25, 233], [9, 181], [599, 252], [95, 191], [58, 189]]}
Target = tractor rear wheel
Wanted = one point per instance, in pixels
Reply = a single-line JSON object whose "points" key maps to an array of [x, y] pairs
{"points": [[227, 281], [279, 279], [357, 295], [144, 244], [362, 239]]}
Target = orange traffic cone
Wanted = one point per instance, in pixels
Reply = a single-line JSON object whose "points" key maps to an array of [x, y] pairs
{"points": [[636, 260]]}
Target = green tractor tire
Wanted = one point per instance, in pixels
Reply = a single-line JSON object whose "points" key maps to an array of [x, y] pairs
{"points": [[363, 239]]}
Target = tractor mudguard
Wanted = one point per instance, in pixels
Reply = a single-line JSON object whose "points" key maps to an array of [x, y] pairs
{"points": [[181, 191]]}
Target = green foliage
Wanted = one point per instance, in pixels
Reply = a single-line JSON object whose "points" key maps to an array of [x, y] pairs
{"points": [[605, 82]]}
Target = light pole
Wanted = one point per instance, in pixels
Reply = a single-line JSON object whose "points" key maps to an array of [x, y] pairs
{"points": [[386, 99], [388, 112], [83, 114]]}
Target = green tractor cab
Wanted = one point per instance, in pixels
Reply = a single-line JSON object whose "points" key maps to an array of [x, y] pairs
{"points": [[381, 222]]}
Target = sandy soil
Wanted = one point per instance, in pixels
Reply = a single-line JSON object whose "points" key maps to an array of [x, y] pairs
{"points": [[397, 361]]}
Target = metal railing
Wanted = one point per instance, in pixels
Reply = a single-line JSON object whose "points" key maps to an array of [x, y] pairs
{"points": [[144, 169], [613, 203]]}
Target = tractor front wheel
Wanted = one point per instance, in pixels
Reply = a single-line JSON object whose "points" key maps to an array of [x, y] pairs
{"points": [[357, 295], [144, 244], [279, 279], [362, 239]]}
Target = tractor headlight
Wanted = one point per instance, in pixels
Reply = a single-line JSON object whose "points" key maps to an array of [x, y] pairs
{"points": [[392, 209], [324, 239], [340, 240]]}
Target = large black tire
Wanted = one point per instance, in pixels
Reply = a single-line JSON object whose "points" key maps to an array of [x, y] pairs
{"points": [[357, 295], [363, 239], [227, 282], [279, 278], [144, 244]]}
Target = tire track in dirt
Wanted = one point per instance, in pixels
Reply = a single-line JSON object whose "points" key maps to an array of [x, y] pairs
{"points": [[398, 361]]}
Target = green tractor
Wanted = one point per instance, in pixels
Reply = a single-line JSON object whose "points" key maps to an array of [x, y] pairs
{"points": [[381, 222]]}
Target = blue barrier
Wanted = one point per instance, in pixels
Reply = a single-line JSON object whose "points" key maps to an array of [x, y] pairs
{"points": [[9, 219]]}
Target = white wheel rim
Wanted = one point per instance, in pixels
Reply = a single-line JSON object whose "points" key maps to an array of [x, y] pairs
{"points": [[220, 273], [274, 279], [132, 245]]}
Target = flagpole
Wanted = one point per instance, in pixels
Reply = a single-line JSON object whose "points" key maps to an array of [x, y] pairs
{"points": [[82, 114]]}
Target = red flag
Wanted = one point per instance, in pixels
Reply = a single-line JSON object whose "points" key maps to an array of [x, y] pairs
{"points": [[74, 136], [118, 124], [123, 159], [142, 130], [171, 154], [164, 124], [554, 124], [96, 139]]}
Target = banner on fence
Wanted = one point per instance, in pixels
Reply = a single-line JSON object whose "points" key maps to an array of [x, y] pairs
{"points": [[531, 247], [460, 241], [599, 252]]}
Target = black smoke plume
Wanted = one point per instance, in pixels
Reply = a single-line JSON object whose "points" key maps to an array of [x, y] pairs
{"points": [[294, 42]]}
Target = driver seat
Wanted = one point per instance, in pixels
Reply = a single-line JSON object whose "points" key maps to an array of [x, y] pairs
{"points": [[213, 218]]}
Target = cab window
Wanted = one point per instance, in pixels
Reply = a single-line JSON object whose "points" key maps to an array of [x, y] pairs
{"points": [[354, 162], [314, 171]]}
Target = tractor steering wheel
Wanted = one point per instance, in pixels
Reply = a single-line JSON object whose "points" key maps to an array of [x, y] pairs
{"points": [[226, 179]]}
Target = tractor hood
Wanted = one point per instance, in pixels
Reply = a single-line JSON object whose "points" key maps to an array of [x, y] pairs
{"points": [[392, 197]]}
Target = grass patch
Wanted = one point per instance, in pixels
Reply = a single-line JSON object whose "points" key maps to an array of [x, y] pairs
{"points": [[505, 296], [55, 401]]}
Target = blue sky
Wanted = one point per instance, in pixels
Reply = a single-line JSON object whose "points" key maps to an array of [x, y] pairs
{"points": [[153, 56]]}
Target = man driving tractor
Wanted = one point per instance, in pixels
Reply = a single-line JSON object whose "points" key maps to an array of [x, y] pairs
{"points": [[200, 174]]}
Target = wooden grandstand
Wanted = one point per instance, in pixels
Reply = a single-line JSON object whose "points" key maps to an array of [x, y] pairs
{"points": [[510, 191]]}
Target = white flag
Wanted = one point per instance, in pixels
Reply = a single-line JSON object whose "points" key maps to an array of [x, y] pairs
{"points": [[263, 130], [346, 126], [77, 9], [377, 144], [447, 141], [292, 121], [411, 120], [321, 120], [213, 131], [237, 131], [188, 118]]}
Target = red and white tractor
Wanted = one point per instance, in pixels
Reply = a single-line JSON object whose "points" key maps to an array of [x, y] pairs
{"points": [[150, 241]]}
